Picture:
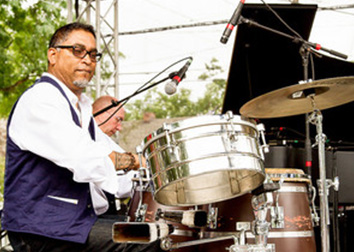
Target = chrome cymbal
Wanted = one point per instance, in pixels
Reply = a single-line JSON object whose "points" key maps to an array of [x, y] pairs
{"points": [[295, 99]]}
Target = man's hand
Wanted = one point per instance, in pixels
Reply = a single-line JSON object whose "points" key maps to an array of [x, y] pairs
{"points": [[126, 161]]}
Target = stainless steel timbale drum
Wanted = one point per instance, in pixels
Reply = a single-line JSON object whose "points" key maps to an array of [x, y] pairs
{"points": [[204, 159]]}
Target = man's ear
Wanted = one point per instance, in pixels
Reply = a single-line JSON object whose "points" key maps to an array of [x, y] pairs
{"points": [[52, 55]]}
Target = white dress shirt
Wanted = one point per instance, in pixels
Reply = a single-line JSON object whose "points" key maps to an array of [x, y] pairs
{"points": [[43, 124]]}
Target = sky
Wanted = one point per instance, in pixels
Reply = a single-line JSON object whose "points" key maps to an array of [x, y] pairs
{"points": [[149, 53]]}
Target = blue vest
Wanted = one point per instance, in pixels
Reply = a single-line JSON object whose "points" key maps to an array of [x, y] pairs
{"points": [[30, 179]]}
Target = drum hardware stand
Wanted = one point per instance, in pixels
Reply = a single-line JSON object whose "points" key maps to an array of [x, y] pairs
{"points": [[143, 171], [212, 217], [277, 212], [167, 244], [141, 209], [252, 248], [260, 227], [240, 244], [316, 118], [323, 183]]}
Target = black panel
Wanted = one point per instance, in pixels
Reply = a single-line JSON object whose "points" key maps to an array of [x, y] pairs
{"points": [[338, 163], [263, 61]]}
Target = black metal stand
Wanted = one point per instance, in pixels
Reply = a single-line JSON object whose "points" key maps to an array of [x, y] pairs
{"points": [[322, 187], [116, 103]]}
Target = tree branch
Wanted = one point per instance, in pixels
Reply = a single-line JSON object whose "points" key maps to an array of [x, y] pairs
{"points": [[17, 83]]}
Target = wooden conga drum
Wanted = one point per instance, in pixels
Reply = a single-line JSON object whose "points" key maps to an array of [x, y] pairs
{"points": [[297, 235]]}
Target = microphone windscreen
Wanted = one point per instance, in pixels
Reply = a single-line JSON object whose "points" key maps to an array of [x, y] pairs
{"points": [[170, 88]]}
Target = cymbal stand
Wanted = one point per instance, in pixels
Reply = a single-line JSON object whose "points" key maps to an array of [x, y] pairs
{"points": [[323, 184]]}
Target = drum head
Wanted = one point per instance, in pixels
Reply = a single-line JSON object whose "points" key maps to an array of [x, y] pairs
{"points": [[288, 175]]}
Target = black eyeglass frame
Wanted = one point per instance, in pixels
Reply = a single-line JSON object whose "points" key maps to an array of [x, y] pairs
{"points": [[99, 55]]}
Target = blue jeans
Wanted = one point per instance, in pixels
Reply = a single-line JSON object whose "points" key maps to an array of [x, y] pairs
{"points": [[100, 240]]}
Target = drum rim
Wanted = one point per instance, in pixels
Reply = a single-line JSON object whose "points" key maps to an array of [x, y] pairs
{"points": [[222, 121], [288, 176]]}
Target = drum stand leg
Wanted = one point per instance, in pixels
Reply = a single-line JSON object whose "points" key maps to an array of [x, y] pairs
{"points": [[167, 244], [323, 183]]}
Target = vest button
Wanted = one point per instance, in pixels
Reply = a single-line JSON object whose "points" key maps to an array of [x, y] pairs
{"points": [[89, 206]]}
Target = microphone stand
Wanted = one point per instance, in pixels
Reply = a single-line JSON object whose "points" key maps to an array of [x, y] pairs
{"points": [[294, 38], [323, 183], [304, 52], [116, 103]]}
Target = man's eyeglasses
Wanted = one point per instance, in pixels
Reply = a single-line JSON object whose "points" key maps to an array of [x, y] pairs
{"points": [[81, 52]]}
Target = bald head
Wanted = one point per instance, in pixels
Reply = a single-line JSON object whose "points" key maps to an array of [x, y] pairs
{"points": [[114, 123]]}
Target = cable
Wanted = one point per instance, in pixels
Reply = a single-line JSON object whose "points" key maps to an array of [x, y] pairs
{"points": [[296, 34], [281, 20]]}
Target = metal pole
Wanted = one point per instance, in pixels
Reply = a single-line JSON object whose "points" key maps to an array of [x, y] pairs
{"points": [[116, 51], [322, 184], [70, 11], [98, 43]]}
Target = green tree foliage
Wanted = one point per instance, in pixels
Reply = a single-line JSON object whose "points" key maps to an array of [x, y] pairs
{"points": [[180, 104], [24, 35]]}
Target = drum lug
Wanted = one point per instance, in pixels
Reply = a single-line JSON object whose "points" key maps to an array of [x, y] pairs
{"points": [[264, 145], [231, 136], [172, 148]]}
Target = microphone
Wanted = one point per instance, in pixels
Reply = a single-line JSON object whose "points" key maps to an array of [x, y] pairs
{"points": [[232, 23], [171, 87], [190, 218], [138, 232]]}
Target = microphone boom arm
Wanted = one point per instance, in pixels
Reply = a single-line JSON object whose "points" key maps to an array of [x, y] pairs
{"points": [[294, 38], [116, 103]]}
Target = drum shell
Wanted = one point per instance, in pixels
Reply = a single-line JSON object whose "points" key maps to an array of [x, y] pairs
{"points": [[297, 234], [203, 160]]}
